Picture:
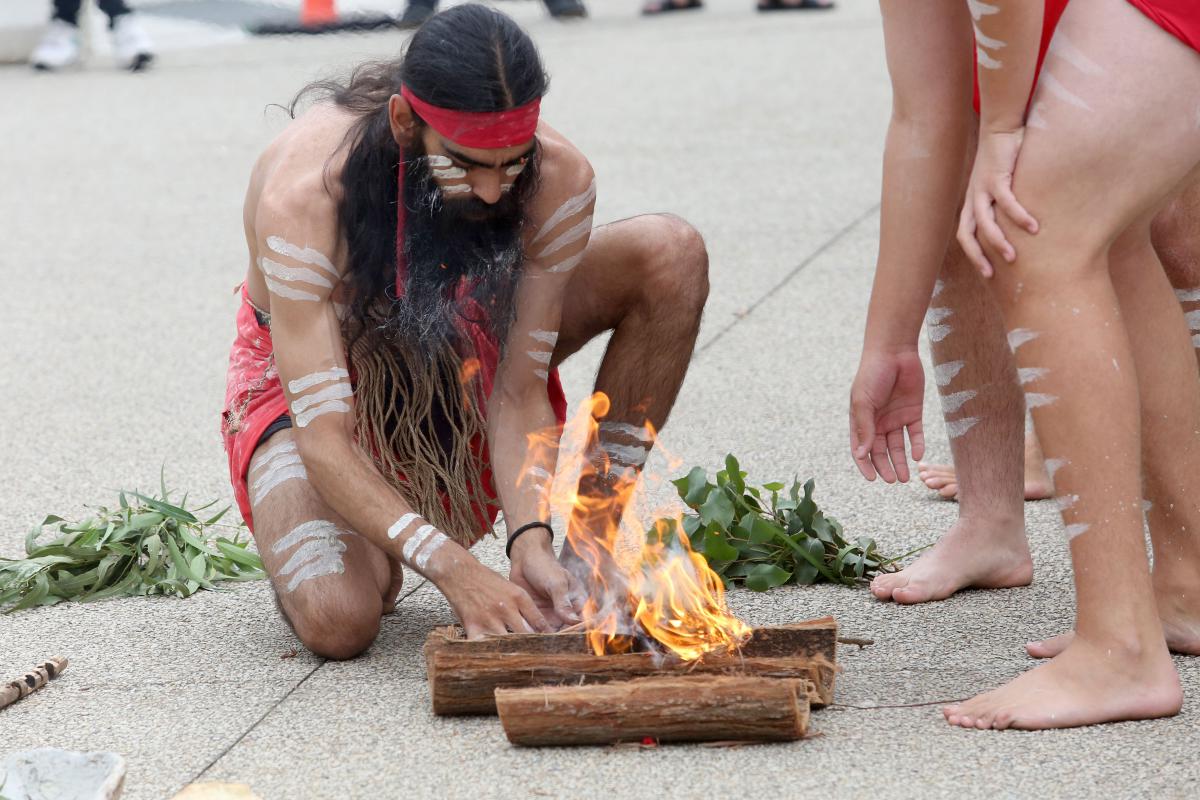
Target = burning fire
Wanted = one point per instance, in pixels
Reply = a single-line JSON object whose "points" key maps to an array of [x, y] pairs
{"points": [[657, 595]]}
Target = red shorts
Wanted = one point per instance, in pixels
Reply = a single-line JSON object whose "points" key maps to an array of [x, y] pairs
{"points": [[1180, 18], [254, 399], [1054, 12]]}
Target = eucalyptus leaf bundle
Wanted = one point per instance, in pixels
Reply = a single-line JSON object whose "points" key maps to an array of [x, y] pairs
{"points": [[765, 537], [145, 546]]}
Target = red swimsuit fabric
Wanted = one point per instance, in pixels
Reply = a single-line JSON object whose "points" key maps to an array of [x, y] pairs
{"points": [[1054, 12], [1180, 18]]}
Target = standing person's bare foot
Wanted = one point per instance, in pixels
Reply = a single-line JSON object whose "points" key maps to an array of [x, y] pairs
{"points": [[1086, 684], [1038, 484], [664, 6], [795, 5], [978, 555]]}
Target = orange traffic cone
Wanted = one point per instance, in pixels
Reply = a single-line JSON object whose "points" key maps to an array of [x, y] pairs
{"points": [[316, 13]]}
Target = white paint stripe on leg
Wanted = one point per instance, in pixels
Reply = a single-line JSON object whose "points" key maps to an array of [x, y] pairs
{"points": [[1062, 47], [331, 407], [435, 543], [943, 374], [628, 455], [540, 356], [935, 315], [313, 378], [414, 542], [979, 9], [275, 476], [1053, 465], [338, 391], [1188, 295], [547, 337], [1056, 88], [288, 293], [959, 427], [1076, 529], [1038, 399], [986, 41], [939, 332], [399, 526], [305, 255], [1029, 374], [279, 449], [281, 272], [951, 403], [568, 209], [1020, 336], [986, 61], [1066, 501]]}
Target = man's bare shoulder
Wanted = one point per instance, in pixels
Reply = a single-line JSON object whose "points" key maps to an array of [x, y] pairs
{"points": [[563, 172]]}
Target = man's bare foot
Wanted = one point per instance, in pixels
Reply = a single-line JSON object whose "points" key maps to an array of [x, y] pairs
{"points": [[942, 479], [977, 555], [1085, 685]]}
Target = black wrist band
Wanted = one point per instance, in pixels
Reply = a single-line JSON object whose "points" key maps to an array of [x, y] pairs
{"points": [[512, 537]]}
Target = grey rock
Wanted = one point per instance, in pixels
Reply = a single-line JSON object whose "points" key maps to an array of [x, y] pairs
{"points": [[51, 774]]}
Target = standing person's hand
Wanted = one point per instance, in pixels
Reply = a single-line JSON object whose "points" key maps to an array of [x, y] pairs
{"points": [[991, 187], [488, 603], [556, 592], [885, 401]]}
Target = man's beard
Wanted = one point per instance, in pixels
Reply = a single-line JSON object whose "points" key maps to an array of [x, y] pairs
{"points": [[449, 240]]}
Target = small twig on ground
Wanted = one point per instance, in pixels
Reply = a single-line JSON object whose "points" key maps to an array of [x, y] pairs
{"points": [[853, 640], [31, 681]]}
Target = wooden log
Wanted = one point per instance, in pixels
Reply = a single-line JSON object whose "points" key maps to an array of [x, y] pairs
{"points": [[31, 681], [674, 709], [464, 674]]}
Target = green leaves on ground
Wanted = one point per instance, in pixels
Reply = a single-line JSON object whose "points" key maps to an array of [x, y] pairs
{"points": [[147, 545], [765, 536]]}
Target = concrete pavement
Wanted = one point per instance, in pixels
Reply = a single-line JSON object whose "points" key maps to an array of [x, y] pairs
{"points": [[120, 245]]}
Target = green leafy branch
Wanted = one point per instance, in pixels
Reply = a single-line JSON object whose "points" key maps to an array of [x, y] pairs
{"points": [[765, 536], [145, 546]]}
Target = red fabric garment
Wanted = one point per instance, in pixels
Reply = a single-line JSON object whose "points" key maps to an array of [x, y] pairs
{"points": [[1054, 12], [490, 130], [1180, 18]]}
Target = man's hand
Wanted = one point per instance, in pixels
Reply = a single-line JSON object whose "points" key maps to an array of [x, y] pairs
{"points": [[887, 398], [991, 186], [486, 603], [556, 592]]}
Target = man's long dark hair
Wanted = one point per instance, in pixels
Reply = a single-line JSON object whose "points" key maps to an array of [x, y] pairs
{"points": [[418, 411]]}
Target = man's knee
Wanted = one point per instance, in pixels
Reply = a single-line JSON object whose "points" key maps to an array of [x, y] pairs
{"points": [[1175, 233], [336, 627], [677, 264]]}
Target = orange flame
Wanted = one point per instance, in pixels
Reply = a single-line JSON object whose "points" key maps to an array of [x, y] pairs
{"points": [[657, 593]]}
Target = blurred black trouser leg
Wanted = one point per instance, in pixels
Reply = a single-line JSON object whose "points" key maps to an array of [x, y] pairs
{"points": [[68, 10]]}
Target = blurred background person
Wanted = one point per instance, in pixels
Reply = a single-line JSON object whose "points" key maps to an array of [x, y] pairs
{"points": [[661, 6], [60, 45], [417, 11]]}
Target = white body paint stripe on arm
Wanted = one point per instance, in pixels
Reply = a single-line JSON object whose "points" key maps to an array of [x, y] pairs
{"points": [[1076, 529], [305, 255], [288, 293], [338, 391], [568, 264], [280, 272], [330, 407], [569, 237], [399, 526], [313, 378], [1030, 374], [548, 337], [415, 541], [435, 543], [571, 207], [540, 356]]}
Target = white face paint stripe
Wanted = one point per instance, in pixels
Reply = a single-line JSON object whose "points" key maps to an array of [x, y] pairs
{"points": [[331, 407], [543, 374], [987, 41], [1053, 465], [568, 264], [1076, 529], [1064, 49], [281, 272], [506, 187], [280, 448], [642, 434], [305, 255], [514, 169], [275, 476], [288, 293], [943, 374], [438, 162], [1066, 501], [958, 427], [938, 332], [435, 543], [338, 391], [458, 188], [1055, 87], [540, 356], [1038, 400], [979, 10], [1020, 336], [414, 542], [313, 378], [1188, 295], [549, 337], [986, 61], [935, 315], [1029, 374], [628, 455], [450, 173], [568, 209], [951, 403], [570, 236], [399, 526]]}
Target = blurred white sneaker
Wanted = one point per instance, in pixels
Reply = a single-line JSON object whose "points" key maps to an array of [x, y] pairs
{"points": [[58, 48], [131, 45]]}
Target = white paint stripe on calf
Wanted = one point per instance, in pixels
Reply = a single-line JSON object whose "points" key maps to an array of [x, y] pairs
{"points": [[540, 356], [935, 315], [938, 286], [571, 207], [958, 427], [1038, 399], [450, 173], [1188, 295], [435, 543], [1062, 47], [987, 41], [313, 378], [641, 433], [306, 255], [943, 374], [568, 264], [275, 476], [288, 293], [980, 10], [1020, 336], [939, 332], [986, 61], [338, 391], [542, 373], [1193, 320], [415, 541], [568, 237], [1053, 465], [1076, 529], [1055, 87], [1029, 374], [283, 272], [629, 455], [549, 337], [951, 403], [331, 407], [1066, 501], [399, 525]]}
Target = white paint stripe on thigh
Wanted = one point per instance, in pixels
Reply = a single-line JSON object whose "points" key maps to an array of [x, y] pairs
{"points": [[288, 293], [313, 378], [943, 374], [414, 542], [400, 525], [986, 61], [1053, 465], [951, 403], [1055, 87], [987, 41], [1076, 529], [568, 264], [568, 209], [424, 554], [1062, 47], [338, 391], [275, 476], [1029, 374], [304, 530], [1038, 399], [939, 332], [1020, 336], [332, 407], [979, 9], [281, 272], [959, 427], [570, 236], [306, 255], [281, 448]]}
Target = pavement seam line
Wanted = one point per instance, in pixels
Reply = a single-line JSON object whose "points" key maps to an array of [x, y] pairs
{"points": [[811, 257]]}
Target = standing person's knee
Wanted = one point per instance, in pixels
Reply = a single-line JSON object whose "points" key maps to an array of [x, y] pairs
{"points": [[337, 627], [677, 265]]}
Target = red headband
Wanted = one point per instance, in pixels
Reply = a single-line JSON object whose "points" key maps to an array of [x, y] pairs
{"points": [[489, 130]]}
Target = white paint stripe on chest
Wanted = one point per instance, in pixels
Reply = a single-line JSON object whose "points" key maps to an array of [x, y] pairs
{"points": [[425, 553], [1055, 87], [943, 374], [414, 542], [313, 378], [305, 255], [570, 236], [288, 293], [399, 526], [640, 433], [568, 209], [282, 272], [1062, 47], [338, 391], [273, 477], [951, 403], [1020, 336], [959, 427], [332, 407]]}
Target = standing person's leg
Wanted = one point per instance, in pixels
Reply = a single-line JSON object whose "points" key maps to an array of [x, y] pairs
{"points": [[113, 9], [984, 412], [59, 45], [1111, 144], [131, 45], [67, 11]]}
